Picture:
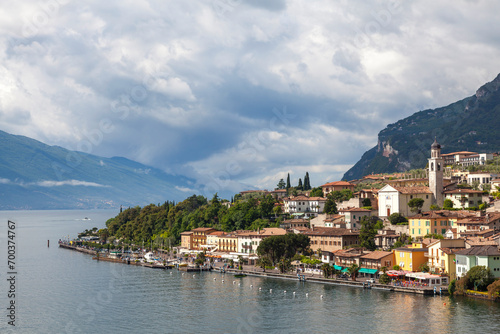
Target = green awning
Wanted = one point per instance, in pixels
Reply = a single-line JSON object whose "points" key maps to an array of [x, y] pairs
{"points": [[368, 271], [337, 267], [344, 270]]}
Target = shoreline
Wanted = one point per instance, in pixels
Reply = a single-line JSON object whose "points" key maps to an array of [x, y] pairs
{"points": [[319, 280]]}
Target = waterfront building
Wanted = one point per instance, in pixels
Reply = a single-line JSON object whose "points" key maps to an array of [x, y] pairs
{"points": [[331, 239], [441, 255], [187, 240], [488, 256], [373, 262], [200, 237], [248, 241], [410, 258]]}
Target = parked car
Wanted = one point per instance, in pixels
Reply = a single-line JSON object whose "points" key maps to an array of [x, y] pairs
{"points": [[371, 280]]}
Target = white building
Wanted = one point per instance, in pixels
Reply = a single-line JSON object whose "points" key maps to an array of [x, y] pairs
{"points": [[248, 241], [480, 178], [464, 198], [395, 199], [311, 206]]}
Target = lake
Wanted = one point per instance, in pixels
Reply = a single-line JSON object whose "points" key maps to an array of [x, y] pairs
{"points": [[62, 291]]}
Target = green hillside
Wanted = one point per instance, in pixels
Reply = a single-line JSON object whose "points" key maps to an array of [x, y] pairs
{"points": [[34, 175], [471, 124]]}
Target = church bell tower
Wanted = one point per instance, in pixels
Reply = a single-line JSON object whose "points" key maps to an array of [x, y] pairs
{"points": [[436, 165]]}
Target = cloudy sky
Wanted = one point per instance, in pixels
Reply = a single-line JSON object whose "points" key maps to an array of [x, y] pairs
{"points": [[236, 94]]}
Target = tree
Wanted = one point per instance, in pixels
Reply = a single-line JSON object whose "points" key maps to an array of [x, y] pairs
{"points": [[307, 182], [397, 219], [282, 246], [300, 186], [396, 267], [384, 279], [424, 267], [281, 184], [353, 271], [330, 206], [448, 204], [264, 262], [317, 192], [494, 289], [327, 270], [288, 181], [368, 232], [341, 195], [366, 202], [416, 204], [480, 277]]}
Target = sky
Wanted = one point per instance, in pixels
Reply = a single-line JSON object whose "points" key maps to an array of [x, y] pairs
{"points": [[236, 94]]}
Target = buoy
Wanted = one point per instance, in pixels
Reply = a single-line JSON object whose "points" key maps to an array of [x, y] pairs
{"points": [[307, 295], [239, 284], [270, 290], [251, 286], [260, 289], [284, 291], [222, 281], [194, 276], [321, 296], [444, 303], [294, 293], [215, 279], [234, 282], [170, 273]]}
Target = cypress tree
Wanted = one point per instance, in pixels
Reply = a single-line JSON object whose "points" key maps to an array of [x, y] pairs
{"points": [[288, 181], [300, 186]]}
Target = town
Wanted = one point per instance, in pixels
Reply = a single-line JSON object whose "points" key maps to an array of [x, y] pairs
{"points": [[425, 230]]}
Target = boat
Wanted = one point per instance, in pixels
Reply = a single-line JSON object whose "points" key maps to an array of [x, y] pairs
{"points": [[240, 275]]}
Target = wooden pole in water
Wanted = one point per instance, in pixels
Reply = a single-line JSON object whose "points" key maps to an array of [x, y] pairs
{"points": [[48, 243]]}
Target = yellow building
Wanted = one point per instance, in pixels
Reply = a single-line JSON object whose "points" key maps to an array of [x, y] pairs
{"points": [[434, 222], [441, 255], [410, 259]]}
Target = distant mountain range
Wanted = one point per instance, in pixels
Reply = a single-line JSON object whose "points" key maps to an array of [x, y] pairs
{"points": [[34, 175], [472, 124]]}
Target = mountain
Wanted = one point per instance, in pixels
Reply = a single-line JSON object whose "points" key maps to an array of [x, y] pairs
{"points": [[34, 175], [471, 124]]}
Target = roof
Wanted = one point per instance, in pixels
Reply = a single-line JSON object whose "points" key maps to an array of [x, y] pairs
{"points": [[217, 233], [376, 255], [330, 231], [449, 251], [202, 229], [338, 183], [355, 210], [456, 153], [409, 249], [480, 250], [296, 220], [462, 191], [446, 214], [413, 190], [186, 233]]}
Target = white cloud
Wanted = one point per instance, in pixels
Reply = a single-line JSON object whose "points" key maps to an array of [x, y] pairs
{"points": [[48, 183], [191, 86]]}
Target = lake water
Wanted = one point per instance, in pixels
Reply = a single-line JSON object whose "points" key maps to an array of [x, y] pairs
{"points": [[62, 291]]}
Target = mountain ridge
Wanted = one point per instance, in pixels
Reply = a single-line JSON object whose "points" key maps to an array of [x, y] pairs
{"points": [[34, 175], [468, 124]]}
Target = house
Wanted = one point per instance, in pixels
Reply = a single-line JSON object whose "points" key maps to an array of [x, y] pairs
{"points": [[464, 198], [293, 223], [466, 158], [488, 256], [451, 233], [480, 178], [228, 242], [310, 206], [373, 262], [352, 216], [410, 258], [441, 255], [278, 194], [495, 185], [337, 186], [371, 194], [472, 226], [248, 241], [331, 239], [187, 240], [386, 238], [213, 240], [434, 222], [347, 257], [200, 237], [395, 199]]}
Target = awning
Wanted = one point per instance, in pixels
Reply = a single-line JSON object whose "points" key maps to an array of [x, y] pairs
{"points": [[337, 267], [368, 271], [345, 270]]}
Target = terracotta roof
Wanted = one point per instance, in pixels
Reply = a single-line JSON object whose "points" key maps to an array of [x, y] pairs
{"points": [[413, 190], [202, 229], [218, 233], [338, 183], [186, 233], [478, 241], [480, 250], [355, 210], [455, 153], [462, 191], [376, 255], [450, 251], [296, 220], [279, 191], [318, 231], [442, 214]]}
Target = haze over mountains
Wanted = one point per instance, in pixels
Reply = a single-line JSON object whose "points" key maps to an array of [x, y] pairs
{"points": [[471, 124], [34, 175]]}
